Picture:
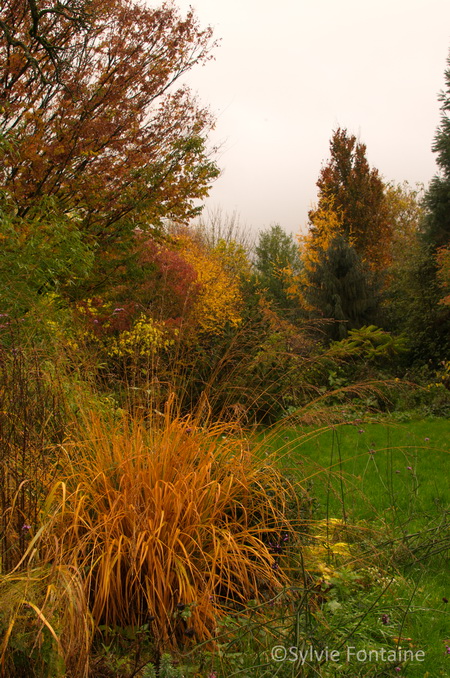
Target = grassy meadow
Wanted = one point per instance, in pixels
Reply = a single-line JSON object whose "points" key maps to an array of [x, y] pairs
{"points": [[394, 472]]}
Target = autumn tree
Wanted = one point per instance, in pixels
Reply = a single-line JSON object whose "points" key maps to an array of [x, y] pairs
{"points": [[167, 287], [348, 244], [90, 114], [417, 294], [335, 283], [182, 283], [403, 289], [219, 302], [37, 17], [356, 191]]}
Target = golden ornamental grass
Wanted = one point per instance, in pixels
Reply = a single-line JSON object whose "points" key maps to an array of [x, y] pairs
{"points": [[166, 518]]}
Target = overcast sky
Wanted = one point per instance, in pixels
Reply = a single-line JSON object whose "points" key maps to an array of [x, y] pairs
{"points": [[287, 73]]}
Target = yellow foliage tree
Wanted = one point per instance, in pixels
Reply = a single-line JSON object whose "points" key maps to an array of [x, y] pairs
{"points": [[327, 224], [219, 301]]}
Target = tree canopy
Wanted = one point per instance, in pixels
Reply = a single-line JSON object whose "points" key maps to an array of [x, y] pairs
{"points": [[356, 191], [349, 239], [90, 116]]}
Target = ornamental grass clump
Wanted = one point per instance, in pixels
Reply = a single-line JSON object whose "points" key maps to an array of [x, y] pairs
{"points": [[170, 524]]}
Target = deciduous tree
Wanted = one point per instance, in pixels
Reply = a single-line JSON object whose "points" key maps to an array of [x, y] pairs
{"points": [[90, 116], [407, 254], [357, 193], [28, 23], [219, 301], [349, 239]]}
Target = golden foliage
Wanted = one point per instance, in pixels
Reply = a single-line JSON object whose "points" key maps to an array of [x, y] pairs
{"points": [[327, 224], [234, 259], [168, 517], [219, 300]]}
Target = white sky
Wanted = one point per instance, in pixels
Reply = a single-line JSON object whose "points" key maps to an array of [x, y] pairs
{"points": [[287, 73]]}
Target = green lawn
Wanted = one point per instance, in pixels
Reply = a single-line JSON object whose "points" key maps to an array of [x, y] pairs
{"points": [[394, 479], [364, 471]]}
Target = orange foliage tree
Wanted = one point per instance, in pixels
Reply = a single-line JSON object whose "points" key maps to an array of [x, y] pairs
{"points": [[89, 115], [349, 239], [356, 192]]}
